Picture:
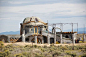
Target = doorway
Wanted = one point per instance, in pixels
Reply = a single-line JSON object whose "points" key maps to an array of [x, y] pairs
{"points": [[45, 39], [51, 40]]}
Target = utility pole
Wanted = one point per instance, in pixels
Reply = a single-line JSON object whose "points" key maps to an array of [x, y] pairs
{"points": [[84, 34]]}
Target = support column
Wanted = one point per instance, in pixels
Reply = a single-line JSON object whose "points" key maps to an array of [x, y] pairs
{"points": [[48, 39], [36, 39], [9, 39], [29, 40], [73, 39], [84, 38], [42, 41], [54, 36], [61, 38], [23, 36]]}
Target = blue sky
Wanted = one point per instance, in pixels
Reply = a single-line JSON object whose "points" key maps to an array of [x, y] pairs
{"points": [[13, 12]]}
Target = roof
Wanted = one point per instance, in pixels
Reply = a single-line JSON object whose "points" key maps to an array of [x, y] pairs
{"points": [[33, 21], [28, 19]]}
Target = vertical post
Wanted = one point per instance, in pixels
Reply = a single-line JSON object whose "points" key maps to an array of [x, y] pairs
{"points": [[23, 36], [84, 38], [77, 28], [36, 39], [42, 41], [73, 38], [61, 38], [29, 40], [61, 26], [72, 27], [48, 39], [55, 36], [84, 34], [9, 39], [73, 41]]}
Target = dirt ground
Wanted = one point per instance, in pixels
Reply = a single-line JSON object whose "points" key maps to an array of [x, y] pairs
{"points": [[23, 44]]}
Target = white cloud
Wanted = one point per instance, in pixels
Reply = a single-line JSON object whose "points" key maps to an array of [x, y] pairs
{"points": [[50, 12], [58, 8], [18, 2]]}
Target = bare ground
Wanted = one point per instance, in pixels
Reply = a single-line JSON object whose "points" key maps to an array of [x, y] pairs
{"points": [[23, 44]]}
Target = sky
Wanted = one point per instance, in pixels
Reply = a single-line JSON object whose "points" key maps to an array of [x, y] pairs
{"points": [[13, 12]]}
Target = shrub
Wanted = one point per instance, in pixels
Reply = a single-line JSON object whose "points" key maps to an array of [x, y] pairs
{"points": [[26, 54], [73, 54], [45, 46], [84, 55], [64, 48], [35, 46], [19, 55], [38, 55], [1, 45], [70, 47], [1, 54], [39, 46], [56, 53], [42, 49], [26, 46], [6, 53], [68, 52], [57, 42]]}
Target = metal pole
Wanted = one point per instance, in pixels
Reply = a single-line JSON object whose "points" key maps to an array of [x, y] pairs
{"points": [[72, 27], [77, 28]]}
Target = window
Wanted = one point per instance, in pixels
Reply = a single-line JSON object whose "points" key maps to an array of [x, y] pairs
{"points": [[44, 26], [30, 19], [36, 19], [35, 29], [32, 29]]}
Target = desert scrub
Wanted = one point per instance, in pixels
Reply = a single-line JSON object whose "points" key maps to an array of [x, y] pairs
{"points": [[35, 46], [6, 53], [1, 54], [47, 54], [1, 45], [42, 49], [70, 53], [51, 49], [83, 55], [26, 46], [64, 48], [73, 54], [56, 53], [45, 46], [19, 55], [26, 54], [70, 48], [39, 47], [39, 55]]}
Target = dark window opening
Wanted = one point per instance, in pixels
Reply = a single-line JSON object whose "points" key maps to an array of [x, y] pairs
{"points": [[27, 39], [36, 19], [45, 39], [67, 36], [30, 19], [44, 26], [51, 40]]}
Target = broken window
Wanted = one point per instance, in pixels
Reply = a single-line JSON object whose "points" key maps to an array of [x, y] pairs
{"points": [[36, 19]]}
